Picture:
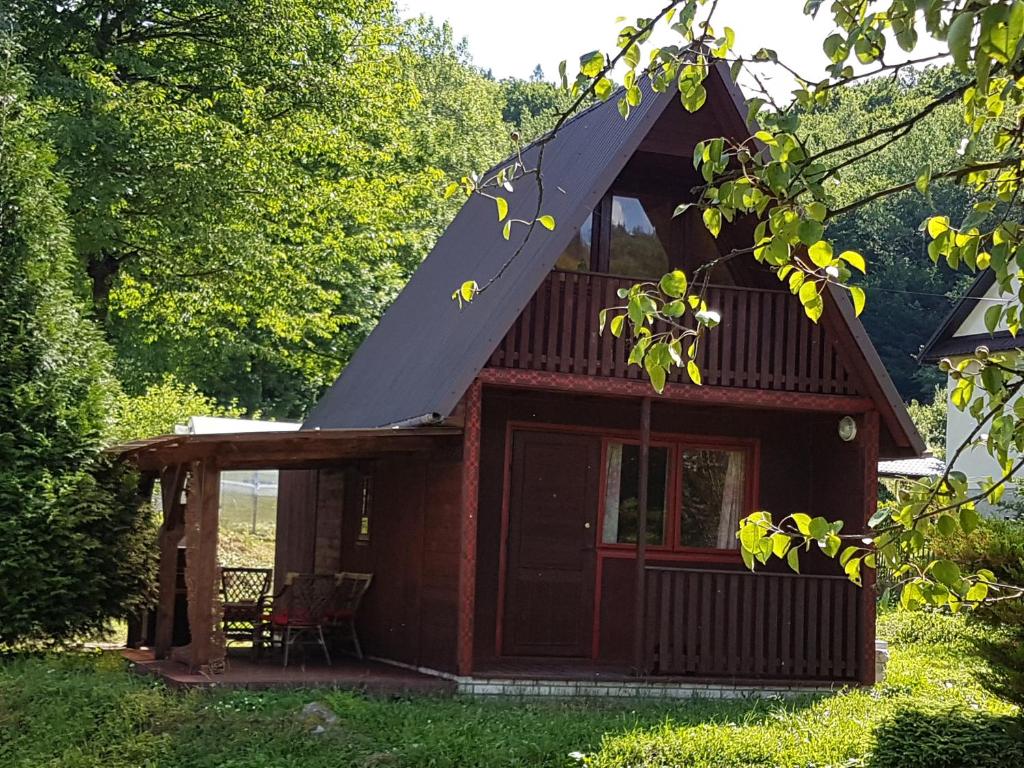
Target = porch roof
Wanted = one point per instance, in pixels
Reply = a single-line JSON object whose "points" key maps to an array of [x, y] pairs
{"points": [[281, 450]]}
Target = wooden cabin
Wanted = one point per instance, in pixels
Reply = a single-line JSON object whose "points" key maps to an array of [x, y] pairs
{"points": [[503, 532]]}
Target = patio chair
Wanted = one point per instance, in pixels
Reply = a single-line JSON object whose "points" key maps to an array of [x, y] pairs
{"points": [[244, 594], [300, 610], [348, 595]]}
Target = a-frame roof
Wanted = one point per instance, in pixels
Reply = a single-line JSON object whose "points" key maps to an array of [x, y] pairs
{"points": [[425, 352], [948, 342]]}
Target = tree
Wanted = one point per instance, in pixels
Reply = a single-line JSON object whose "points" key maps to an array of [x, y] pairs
{"points": [[73, 533], [792, 185], [247, 181], [532, 107], [163, 406], [905, 291]]}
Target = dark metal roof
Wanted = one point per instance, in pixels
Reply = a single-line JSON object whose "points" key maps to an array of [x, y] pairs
{"points": [[955, 346], [425, 351], [931, 351]]}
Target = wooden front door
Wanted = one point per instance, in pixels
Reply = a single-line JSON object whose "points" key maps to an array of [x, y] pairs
{"points": [[552, 528]]}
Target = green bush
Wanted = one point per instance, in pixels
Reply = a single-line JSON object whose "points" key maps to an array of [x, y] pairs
{"points": [[900, 627], [73, 549], [999, 546], [946, 738]]}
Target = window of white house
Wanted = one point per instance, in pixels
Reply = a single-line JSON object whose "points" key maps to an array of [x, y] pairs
{"points": [[622, 489], [714, 494]]}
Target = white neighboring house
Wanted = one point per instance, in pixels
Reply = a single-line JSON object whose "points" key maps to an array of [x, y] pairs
{"points": [[242, 490], [959, 335]]}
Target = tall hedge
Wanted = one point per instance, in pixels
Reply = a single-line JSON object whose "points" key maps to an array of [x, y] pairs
{"points": [[73, 533]]}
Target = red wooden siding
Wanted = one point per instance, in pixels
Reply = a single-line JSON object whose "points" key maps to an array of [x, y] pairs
{"points": [[765, 341], [710, 622], [410, 611]]}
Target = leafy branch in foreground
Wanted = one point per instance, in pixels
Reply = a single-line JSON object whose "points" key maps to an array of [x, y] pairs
{"points": [[789, 184]]}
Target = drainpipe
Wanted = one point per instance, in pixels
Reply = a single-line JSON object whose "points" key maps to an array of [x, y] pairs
{"points": [[424, 420]]}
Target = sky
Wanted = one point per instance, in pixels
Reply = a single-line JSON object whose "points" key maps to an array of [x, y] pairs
{"points": [[512, 38]]}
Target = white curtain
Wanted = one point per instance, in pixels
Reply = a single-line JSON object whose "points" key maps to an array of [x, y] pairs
{"points": [[612, 486], [732, 502]]}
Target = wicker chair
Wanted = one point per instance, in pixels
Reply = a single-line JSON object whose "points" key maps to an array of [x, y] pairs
{"points": [[243, 592], [348, 595], [300, 611]]}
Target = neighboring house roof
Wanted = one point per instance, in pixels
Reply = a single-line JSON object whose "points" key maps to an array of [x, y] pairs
{"points": [[945, 343], [925, 466], [423, 355], [220, 425]]}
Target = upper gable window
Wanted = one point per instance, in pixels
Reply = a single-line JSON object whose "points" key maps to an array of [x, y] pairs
{"points": [[640, 237], [576, 258], [629, 235]]}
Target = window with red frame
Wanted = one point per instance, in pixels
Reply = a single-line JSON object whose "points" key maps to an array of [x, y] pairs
{"points": [[696, 494]]}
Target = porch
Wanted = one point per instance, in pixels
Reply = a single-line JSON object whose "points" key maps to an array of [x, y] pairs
{"points": [[373, 678]]}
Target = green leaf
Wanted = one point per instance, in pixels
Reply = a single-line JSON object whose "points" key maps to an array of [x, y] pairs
{"points": [[502, 208], [468, 290], [946, 572], [958, 38], [693, 98], [616, 326], [657, 374], [945, 524], [591, 63], [713, 220], [818, 528], [821, 253], [816, 211], [780, 544], [992, 317], [602, 316], [793, 559], [810, 231], [802, 522], [673, 284], [748, 557], [859, 299], [547, 221], [506, 231], [937, 225], [924, 178], [855, 260], [969, 519], [808, 292], [977, 592], [693, 371]]}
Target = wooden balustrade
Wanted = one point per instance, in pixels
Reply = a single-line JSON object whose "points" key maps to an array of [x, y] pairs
{"points": [[765, 340], [752, 625]]}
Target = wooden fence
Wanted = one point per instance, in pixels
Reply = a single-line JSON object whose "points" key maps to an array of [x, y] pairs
{"points": [[765, 340], [746, 625]]}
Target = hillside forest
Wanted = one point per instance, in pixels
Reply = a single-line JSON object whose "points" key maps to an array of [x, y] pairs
{"points": [[244, 189]]}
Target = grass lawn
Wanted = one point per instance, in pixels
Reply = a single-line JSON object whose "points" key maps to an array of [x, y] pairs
{"points": [[86, 710]]}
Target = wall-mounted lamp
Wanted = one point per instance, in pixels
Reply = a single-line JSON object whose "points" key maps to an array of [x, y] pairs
{"points": [[847, 429]]}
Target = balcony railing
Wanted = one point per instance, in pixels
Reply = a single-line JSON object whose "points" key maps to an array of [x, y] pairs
{"points": [[765, 340], [745, 625]]}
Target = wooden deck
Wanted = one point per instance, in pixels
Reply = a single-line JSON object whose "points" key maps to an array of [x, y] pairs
{"points": [[765, 341], [372, 677]]}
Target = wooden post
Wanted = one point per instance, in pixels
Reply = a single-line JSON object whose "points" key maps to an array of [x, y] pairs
{"points": [[467, 542], [201, 564], [869, 462], [171, 481], [641, 537]]}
